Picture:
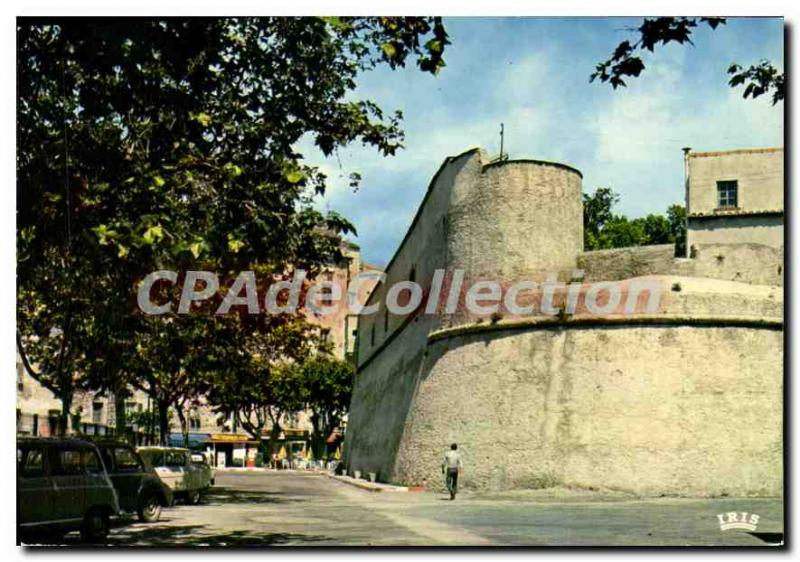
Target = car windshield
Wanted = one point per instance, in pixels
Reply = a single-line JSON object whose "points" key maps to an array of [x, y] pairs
{"points": [[30, 463], [155, 458], [176, 458], [127, 460]]}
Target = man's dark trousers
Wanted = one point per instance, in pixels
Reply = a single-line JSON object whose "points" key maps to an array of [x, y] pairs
{"points": [[452, 482]]}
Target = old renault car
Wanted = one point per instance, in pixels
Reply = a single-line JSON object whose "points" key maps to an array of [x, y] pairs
{"points": [[62, 485], [175, 468], [139, 488]]}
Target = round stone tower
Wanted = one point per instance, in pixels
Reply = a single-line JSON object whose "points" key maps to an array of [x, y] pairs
{"points": [[522, 219]]}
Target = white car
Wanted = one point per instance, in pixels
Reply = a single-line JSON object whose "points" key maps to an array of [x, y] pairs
{"points": [[187, 480]]}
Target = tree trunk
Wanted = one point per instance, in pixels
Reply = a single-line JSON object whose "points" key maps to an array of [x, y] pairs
{"points": [[120, 394], [66, 405], [316, 436], [151, 426], [274, 433], [323, 425], [184, 425], [163, 422]]}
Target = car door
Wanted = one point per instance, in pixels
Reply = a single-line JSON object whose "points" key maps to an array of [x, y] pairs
{"points": [[69, 482], [193, 473], [98, 488], [179, 464], [34, 487], [170, 474], [127, 475]]}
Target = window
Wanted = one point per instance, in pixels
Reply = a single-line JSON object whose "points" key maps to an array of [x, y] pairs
{"points": [[728, 193], [67, 462], [326, 295], [412, 276], [97, 412], [176, 458], [325, 334], [372, 336], [20, 378], [29, 463], [127, 461], [107, 460], [91, 462], [156, 458], [52, 421], [385, 321]]}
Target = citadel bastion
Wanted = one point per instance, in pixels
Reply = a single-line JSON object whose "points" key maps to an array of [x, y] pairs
{"points": [[686, 400]]}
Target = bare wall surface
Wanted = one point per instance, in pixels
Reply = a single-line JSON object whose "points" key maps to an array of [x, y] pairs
{"points": [[756, 264], [593, 408], [764, 229]]}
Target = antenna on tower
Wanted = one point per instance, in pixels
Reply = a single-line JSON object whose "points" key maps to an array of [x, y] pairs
{"points": [[502, 135]]}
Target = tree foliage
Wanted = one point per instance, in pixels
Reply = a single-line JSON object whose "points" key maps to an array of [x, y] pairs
{"points": [[328, 384], [760, 79], [604, 229], [626, 61], [147, 144]]}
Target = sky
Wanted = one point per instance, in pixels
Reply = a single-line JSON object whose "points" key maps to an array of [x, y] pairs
{"points": [[532, 74]]}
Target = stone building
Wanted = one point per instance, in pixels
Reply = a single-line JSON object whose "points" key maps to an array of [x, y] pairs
{"points": [[685, 399], [38, 409], [735, 196]]}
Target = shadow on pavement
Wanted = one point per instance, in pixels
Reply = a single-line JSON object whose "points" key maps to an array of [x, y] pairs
{"points": [[192, 535], [219, 495], [162, 536]]}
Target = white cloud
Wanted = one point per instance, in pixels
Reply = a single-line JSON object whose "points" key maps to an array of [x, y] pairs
{"points": [[629, 139]]}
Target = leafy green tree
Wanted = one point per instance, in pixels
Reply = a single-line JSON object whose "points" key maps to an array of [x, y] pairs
{"points": [[604, 229], [596, 214], [625, 61], [164, 143], [656, 229], [258, 380], [676, 215], [620, 232], [329, 385]]}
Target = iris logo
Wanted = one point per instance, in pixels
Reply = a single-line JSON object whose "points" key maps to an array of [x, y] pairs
{"points": [[737, 520]]}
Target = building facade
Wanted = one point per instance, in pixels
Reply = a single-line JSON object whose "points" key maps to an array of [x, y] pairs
{"points": [[38, 409], [734, 196]]}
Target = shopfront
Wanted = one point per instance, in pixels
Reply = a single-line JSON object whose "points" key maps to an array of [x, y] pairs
{"points": [[231, 449]]}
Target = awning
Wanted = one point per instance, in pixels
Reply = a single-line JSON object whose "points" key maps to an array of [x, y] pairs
{"points": [[235, 438], [176, 439]]}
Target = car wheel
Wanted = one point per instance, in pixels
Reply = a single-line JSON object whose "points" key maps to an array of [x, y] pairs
{"points": [[149, 509], [193, 497], [95, 526]]}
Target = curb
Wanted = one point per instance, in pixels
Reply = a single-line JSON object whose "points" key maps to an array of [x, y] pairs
{"points": [[374, 486]]}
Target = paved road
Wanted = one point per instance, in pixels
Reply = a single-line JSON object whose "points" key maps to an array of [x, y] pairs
{"points": [[293, 508]]}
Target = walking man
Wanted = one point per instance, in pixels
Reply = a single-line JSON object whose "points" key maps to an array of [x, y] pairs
{"points": [[451, 467]]}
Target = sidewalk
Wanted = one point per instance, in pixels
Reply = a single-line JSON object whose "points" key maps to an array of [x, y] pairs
{"points": [[370, 486], [355, 482]]}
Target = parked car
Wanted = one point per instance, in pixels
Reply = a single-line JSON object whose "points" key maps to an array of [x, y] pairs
{"points": [[175, 468], [138, 487], [62, 485], [201, 461]]}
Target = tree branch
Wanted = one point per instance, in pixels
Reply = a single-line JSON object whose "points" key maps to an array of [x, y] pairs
{"points": [[24, 356]]}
